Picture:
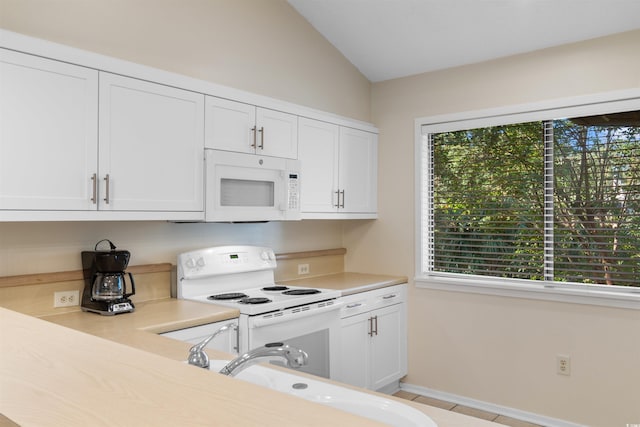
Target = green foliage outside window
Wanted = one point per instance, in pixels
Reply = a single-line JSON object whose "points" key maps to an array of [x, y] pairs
{"points": [[489, 202]]}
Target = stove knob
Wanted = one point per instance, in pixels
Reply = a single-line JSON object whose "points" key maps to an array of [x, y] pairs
{"points": [[190, 263], [265, 256], [200, 262]]}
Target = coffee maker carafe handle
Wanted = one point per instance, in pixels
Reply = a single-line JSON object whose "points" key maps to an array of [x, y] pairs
{"points": [[133, 287]]}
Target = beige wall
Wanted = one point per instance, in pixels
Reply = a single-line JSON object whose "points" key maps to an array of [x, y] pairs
{"points": [[258, 46], [496, 349]]}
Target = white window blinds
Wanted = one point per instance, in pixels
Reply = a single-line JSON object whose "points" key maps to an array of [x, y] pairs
{"points": [[547, 200]]}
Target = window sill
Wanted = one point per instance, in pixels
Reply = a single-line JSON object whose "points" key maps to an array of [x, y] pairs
{"points": [[524, 289]]}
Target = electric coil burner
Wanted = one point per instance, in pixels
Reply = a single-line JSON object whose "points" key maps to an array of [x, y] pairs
{"points": [[301, 292], [227, 296], [275, 288], [255, 300]]}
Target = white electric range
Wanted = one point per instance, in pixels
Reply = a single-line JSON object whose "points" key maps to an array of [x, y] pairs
{"points": [[242, 277]]}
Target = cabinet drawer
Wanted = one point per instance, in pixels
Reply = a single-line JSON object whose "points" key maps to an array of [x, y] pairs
{"points": [[352, 306], [392, 295], [370, 300]]}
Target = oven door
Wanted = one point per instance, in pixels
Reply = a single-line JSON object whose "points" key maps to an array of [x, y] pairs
{"points": [[315, 332]]}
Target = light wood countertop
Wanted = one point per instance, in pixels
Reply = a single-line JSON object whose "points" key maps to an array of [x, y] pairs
{"points": [[348, 283], [79, 369], [56, 376]]}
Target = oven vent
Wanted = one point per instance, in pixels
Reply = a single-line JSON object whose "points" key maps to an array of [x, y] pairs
{"points": [[326, 303], [272, 315]]}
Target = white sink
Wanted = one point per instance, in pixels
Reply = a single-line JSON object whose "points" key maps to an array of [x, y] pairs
{"points": [[365, 405]]}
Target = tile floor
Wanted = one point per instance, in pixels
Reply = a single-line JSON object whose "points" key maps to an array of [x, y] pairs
{"points": [[489, 416]]}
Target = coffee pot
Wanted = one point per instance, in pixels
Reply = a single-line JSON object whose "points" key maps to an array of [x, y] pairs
{"points": [[111, 286], [105, 289]]}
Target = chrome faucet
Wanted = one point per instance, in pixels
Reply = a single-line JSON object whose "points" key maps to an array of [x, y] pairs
{"points": [[197, 356], [295, 358]]}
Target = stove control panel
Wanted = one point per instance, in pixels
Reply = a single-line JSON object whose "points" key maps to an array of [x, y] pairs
{"points": [[221, 260]]}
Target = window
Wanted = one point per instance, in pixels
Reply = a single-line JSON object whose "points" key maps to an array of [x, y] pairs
{"points": [[549, 203], [596, 191], [488, 201]]}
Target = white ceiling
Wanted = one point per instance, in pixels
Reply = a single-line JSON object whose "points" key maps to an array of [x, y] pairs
{"points": [[386, 39]]}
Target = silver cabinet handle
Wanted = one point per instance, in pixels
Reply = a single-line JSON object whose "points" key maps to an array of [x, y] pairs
{"points": [[253, 129], [373, 329], [358, 304], [106, 196], [94, 184], [338, 204], [389, 296], [261, 146]]}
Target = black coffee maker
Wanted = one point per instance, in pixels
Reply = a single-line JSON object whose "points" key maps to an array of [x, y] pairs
{"points": [[105, 289]]}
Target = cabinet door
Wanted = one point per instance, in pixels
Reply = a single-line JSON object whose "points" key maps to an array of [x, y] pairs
{"points": [[388, 345], [230, 125], [48, 134], [151, 146], [353, 363], [277, 133], [318, 144], [358, 170]]}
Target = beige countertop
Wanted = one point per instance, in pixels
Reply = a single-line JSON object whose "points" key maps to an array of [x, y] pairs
{"points": [[79, 369], [349, 283]]}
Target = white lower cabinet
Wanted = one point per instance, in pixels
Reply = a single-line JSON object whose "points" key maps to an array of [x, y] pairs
{"points": [[373, 341], [226, 341]]}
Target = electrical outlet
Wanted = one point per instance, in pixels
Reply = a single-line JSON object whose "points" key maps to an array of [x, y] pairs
{"points": [[66, 298], [563, 365], [303, 268]]}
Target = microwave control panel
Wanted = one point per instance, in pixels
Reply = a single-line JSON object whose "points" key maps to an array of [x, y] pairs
{"points": [[293, 191]]}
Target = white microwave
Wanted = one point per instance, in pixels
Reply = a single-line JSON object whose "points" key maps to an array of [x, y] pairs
{"points": [[247, 187]]}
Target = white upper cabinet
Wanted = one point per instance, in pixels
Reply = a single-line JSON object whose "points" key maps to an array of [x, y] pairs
{"points": [[245, 128], [88, 137], [230, 125], [48, 134], [151, 146], [358, 170], [277, 133], [338, 169], [318, 150]]}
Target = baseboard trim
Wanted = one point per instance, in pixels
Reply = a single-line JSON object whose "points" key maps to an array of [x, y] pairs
{"points": [[486, 406], [390, 388]]}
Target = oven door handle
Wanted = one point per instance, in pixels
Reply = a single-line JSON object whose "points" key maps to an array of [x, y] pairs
{"points": [[286, 315]]}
